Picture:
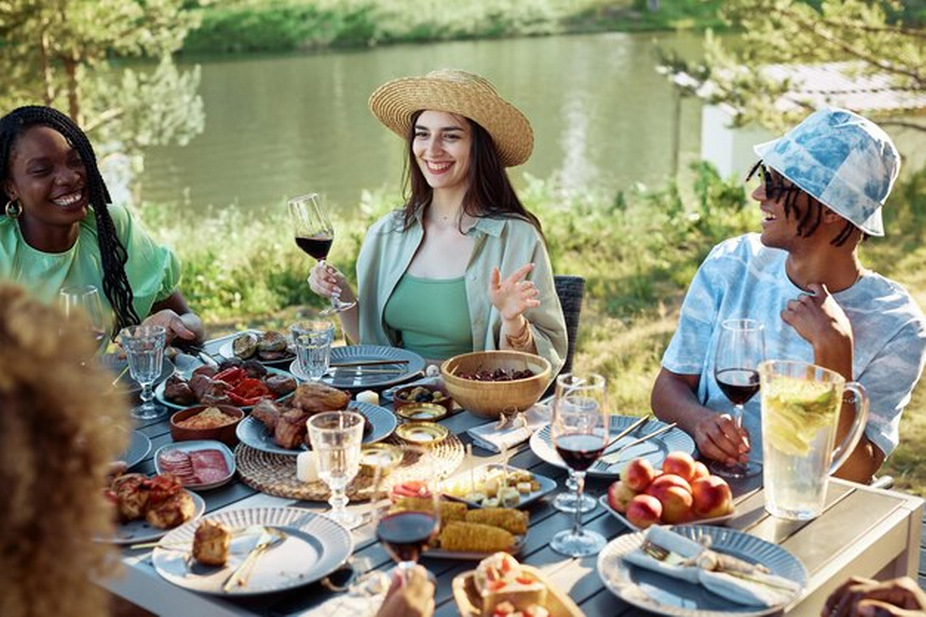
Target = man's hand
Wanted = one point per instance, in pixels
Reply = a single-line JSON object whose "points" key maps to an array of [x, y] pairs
{"points": [[820, 321], [862, 597], [719, 439]]}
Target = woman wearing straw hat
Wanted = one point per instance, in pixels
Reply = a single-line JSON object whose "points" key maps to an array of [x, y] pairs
{"points": [[463, 265]]}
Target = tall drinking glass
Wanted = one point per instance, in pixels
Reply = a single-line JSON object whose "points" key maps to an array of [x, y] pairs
{"points": [[314, 235], [83, 302], [336, 437], [144, 350], [579, 432], [312, 340], [740, 350]]}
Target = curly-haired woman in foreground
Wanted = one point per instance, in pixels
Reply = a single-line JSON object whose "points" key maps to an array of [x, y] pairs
{"points": [[59, 431]]}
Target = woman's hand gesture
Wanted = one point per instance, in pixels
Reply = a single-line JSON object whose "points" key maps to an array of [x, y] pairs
{"points": [[513, 295], [327, 281]]}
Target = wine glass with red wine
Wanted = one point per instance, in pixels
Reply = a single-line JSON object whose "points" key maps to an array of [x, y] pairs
{"points": [[314, 235], [579, 432], [408, 527], [736, 368]]}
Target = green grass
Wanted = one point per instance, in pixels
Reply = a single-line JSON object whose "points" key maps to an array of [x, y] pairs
{"points": [[637, 251]]}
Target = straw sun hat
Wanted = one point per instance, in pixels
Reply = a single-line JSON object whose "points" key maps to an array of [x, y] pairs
{"points": [[459, 92]]}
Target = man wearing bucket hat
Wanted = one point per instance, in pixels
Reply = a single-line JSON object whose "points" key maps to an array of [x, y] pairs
{"points": [[821, 192], [463, 265]]}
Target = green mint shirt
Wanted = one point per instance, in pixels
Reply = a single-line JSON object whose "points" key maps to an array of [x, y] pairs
{"points": [[431, 315], [153, 270], [508, 243]]}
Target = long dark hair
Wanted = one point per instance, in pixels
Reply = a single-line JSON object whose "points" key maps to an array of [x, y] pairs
{"points": [[113, 255], [489, 192]]}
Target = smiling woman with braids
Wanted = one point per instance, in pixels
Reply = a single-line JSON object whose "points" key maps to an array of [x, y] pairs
{"points": [[59, 228]]}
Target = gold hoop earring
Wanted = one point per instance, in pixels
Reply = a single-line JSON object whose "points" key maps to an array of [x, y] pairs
{"points": [[13, 208]]}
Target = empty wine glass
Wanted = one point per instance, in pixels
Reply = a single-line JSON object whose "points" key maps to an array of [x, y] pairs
{"points": [[83, 302], [144, 350], [336, 437], [314, 234], [579, 432], [740, 350]]}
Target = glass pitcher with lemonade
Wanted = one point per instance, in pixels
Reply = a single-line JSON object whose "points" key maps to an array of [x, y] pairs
{"points": [[800, 412]]}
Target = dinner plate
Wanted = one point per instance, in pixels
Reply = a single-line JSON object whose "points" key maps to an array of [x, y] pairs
{"points": [[314, 546], [159, 393], [139, 447], [362, 377], [665, 595], [717, 520], [254, 433], [196, 445], [116, 364], [134, 532], [547, 485], [227, 350], [655, 450]]}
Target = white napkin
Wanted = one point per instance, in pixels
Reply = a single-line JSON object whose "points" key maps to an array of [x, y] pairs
{"points": [[761, 589], [490, 437]]}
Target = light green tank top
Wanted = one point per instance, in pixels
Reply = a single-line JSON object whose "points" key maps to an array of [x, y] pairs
{"points": [[431, 315]]}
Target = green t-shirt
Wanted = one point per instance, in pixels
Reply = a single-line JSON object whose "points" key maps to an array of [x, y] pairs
{"points": [[153, 270], [431, 316]]}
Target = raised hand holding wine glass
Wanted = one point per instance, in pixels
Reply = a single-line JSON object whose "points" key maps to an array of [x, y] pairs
{"points": [[740, 350], [315, 234], [579, 432]]}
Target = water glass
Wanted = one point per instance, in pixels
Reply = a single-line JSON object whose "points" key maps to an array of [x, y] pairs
{"points": [[144, 350], [336, 437], [312, 340]]}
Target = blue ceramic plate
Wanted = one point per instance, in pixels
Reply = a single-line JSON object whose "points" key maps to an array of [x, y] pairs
{"points": [[139, 447], [159, 393], [362, 377], [655, 450], [227, 350], [254, 433], [665, 595], [547, 485]]}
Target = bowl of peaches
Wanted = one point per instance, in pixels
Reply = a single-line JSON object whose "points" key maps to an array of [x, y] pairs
{"points": [[682, 491]]}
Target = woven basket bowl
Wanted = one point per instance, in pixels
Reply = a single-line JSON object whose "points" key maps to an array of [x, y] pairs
{"points": [[488, 399]]}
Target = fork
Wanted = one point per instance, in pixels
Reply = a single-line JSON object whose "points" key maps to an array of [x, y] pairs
{"points": [[662, 554], [239, 578], [606, 462]]}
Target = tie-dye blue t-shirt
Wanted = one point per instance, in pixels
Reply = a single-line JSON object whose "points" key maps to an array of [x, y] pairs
{"points": [[742, 278]]}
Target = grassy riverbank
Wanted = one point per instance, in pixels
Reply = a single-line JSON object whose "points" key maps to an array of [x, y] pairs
{"points": [[637, 251], [288, 25]]}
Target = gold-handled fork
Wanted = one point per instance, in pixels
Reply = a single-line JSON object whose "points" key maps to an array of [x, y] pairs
{"points": [[239, 578], [606, 462]]}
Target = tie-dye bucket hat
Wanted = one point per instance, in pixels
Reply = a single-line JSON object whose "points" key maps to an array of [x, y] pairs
{"points": [[845, 161]]}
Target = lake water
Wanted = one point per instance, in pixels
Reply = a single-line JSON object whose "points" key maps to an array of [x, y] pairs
{"points": [[285, 125]]}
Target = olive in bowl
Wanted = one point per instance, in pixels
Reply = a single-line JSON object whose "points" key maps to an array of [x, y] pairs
{"points": [[413, 395]]}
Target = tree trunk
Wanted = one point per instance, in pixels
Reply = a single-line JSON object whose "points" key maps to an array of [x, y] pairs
{"points": [[70, 68], [652, 5], [47, 74]]}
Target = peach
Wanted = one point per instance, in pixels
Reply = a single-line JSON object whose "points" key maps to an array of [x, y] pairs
{"points": [[619, 495], [701, 471], [665, 481], [676, 503], [712, 497], [644, 510], [638, 474], [681, 464]]}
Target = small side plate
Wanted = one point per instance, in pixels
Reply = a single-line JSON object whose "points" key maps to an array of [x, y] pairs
{"points": [[422, 433], [717, 520], [196, 445], [547, 485]]}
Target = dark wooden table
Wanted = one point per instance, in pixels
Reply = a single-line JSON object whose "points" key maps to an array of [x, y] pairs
{"points": [[863, 531]]}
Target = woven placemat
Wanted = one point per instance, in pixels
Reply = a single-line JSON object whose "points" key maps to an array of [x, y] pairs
{"points": [[275, 474]]}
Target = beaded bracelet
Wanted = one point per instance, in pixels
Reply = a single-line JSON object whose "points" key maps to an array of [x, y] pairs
{"points": [[522, 340]]}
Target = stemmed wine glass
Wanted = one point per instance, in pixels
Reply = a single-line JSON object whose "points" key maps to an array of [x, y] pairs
{"points": [[336, 438], [144, 350], [314, 235], [579, 432], [407, 532], [740, 350], [83, 302]]}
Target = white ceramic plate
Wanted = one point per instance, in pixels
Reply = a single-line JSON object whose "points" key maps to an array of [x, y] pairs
{"points": [[139, 447], [717, 520], [547, 485], [254, 433], [193, 446], [134, 532], [655, 450], [671, 596], [314, 547]]}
